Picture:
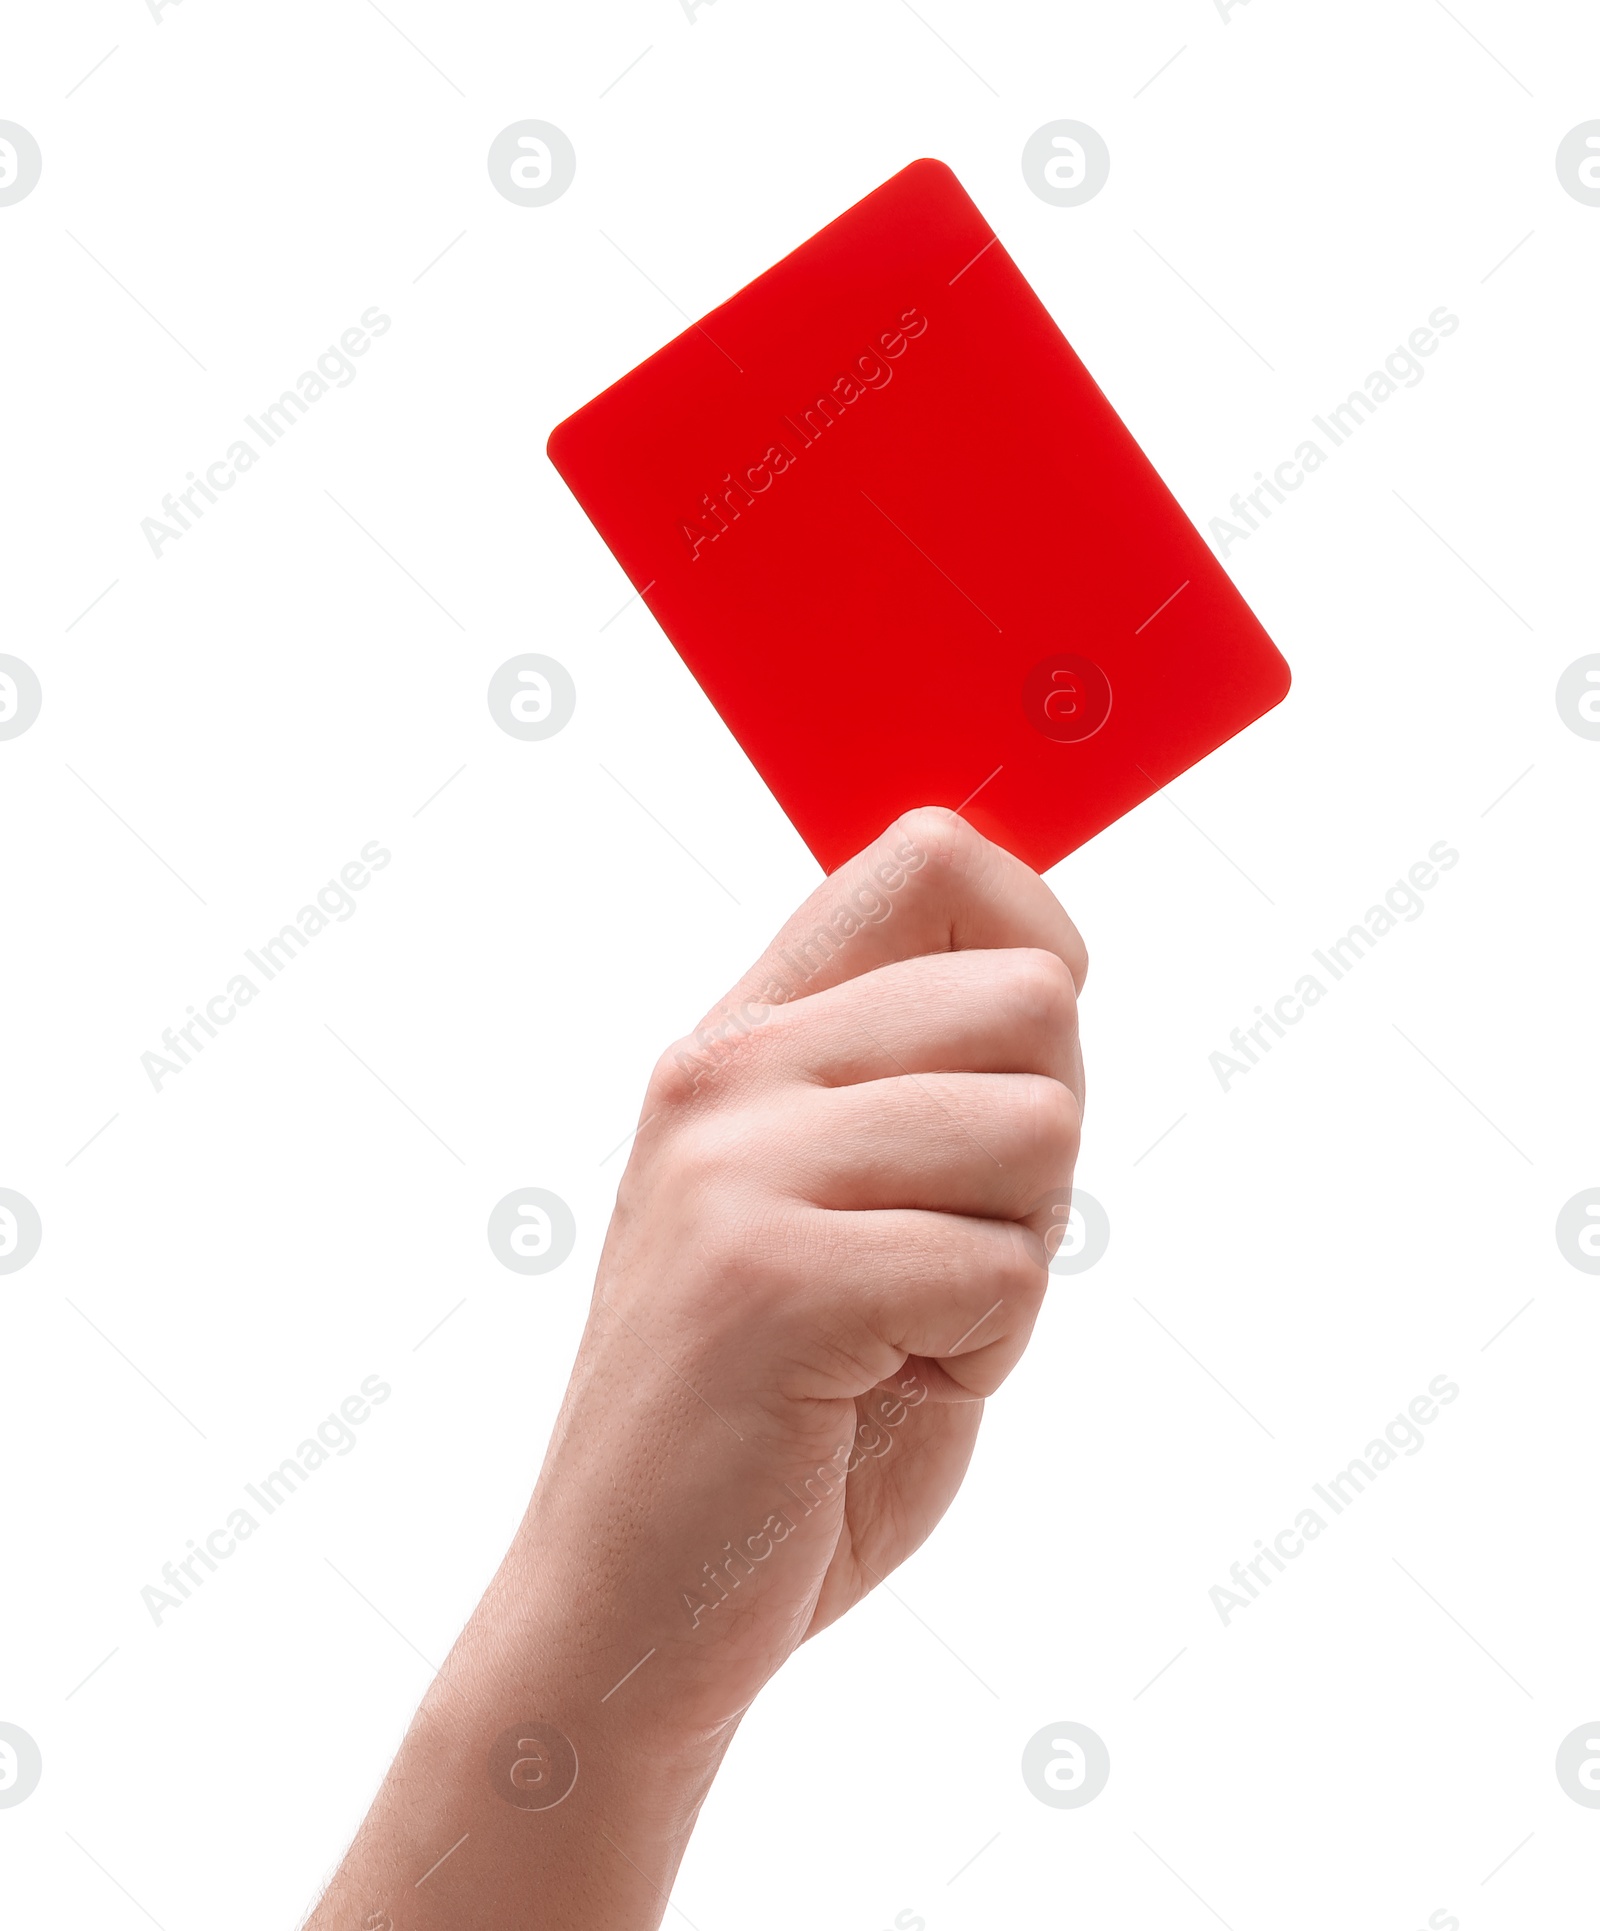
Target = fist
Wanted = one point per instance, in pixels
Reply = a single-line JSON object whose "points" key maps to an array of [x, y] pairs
{"points": [[827, 1250]]}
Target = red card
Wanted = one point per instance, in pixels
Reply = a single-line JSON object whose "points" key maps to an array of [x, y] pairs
{"points": [[907, 547]]}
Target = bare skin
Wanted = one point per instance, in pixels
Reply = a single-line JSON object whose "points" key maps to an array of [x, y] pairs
{"points": [[828, 1249]]}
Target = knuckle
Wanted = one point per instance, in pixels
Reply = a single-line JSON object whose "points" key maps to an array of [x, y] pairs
{"points": [[675, 1079], [693, 1185], [704, 1161], [1055, 1122], [734, 1254], [691, 1069], [1043, 988], [1024, 1272]]}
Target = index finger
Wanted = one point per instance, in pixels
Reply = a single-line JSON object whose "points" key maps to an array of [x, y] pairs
{"points": [[930, 883]]}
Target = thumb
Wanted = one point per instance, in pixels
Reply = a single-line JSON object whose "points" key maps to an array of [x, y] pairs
{"points": [[930, 883]]}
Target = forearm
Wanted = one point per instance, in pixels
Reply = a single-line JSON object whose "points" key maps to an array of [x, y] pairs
{"points": [[481, 1819]]}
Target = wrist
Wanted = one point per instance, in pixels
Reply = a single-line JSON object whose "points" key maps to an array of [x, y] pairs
{"points": [[617, 1685]]}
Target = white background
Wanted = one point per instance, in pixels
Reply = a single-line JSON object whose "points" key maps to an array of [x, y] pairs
{"points": [[1365, 1210]]}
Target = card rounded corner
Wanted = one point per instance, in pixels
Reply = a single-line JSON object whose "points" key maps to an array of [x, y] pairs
{"points": [[926, 165], [554, 441]]}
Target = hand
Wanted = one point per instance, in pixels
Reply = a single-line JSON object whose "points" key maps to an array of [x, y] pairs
{"points": [[827, 1250]]}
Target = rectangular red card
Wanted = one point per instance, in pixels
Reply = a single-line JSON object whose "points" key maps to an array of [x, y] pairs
{"points": [[909, 550]]}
